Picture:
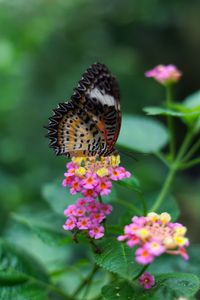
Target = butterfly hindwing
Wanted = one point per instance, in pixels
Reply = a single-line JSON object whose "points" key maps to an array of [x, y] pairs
{"points": [[73, 133], [89, 123]]}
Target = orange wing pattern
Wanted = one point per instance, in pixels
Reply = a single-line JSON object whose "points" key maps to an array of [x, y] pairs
{"points": [[89, 123]]}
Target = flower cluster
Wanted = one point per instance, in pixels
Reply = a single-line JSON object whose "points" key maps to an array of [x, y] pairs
{"points": [[147, 280], [87, 214], [154, 235], [164, 74], [92, 177]]}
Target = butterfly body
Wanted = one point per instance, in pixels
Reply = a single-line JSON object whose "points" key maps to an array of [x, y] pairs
{"points": [[89, 123]]}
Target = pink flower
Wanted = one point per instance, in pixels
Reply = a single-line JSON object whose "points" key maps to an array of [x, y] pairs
{"points": [[96, 232], [118, 173], [90, 193], [155, 235], [105, 208], [147, 280], [104, 187], [70, 210], [93, 206], [132, 241], [155, 248], [97, 217], [81, 202], [70, 223], [165, 74], [183, 253], [143, 256], [83, 223], [75, 186], [79, 211]]}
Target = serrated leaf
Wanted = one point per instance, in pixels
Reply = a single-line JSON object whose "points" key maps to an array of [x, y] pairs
{"points": [[142, 134], [167, 286], [118, 258]]}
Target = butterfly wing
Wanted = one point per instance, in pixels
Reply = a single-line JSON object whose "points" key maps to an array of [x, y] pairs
{"points": [[89, 123], [73, 133], [98, 93]]}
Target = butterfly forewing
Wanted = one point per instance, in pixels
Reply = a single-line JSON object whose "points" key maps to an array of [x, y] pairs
{"points": [[89, 123]]}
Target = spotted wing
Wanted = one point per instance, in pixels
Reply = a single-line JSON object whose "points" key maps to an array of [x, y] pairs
{"points": [[98, 94], [89, 123], [73, 133]]}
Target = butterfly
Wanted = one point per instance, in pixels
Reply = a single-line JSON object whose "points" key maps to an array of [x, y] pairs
{"points": [[89, 123]]}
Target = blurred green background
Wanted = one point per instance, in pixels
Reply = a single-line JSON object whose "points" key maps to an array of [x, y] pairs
{"points": [[46, 45]]}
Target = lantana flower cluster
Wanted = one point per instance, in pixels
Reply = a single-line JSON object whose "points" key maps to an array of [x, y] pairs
{"points": [[92, 177], [87, 214], [164, 74], [155, 235]]}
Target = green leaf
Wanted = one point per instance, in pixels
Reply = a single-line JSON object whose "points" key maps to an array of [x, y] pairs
{"points": [[118, 258], [192, 101], [131, 183], [57, 197], [155, 110], [167, 286], [20, 275], [142, 134], [118, 291], [169, 205], [49, 233]]}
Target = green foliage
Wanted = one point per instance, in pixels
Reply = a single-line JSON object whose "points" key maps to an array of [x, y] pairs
{"points": [[117, 258], [57, 197], [168, 286], [21, 276], [142, 134]]}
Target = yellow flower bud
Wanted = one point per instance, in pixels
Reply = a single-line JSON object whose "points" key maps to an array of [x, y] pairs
{"points": [[78, 160], [152, 216], [169, 243], [102, 172], [180, 240], [180, 230], [165, 218], [115, 160], [142, 233], [80, 171]]}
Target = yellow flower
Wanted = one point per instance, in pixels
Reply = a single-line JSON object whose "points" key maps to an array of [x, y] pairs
{"points": [[142, 233], [115, 160], [80, 171], [102, 172], [78, 160], [180, 240], [180, 230], [165, 218], [152, 216]]}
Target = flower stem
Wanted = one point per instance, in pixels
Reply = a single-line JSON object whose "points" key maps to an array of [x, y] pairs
{"points": [[170, 121], [87, 281], [193, 149], [100, 198], [191, 163], [141, 272], [144, 206], [172, 171], [164, 190]]}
